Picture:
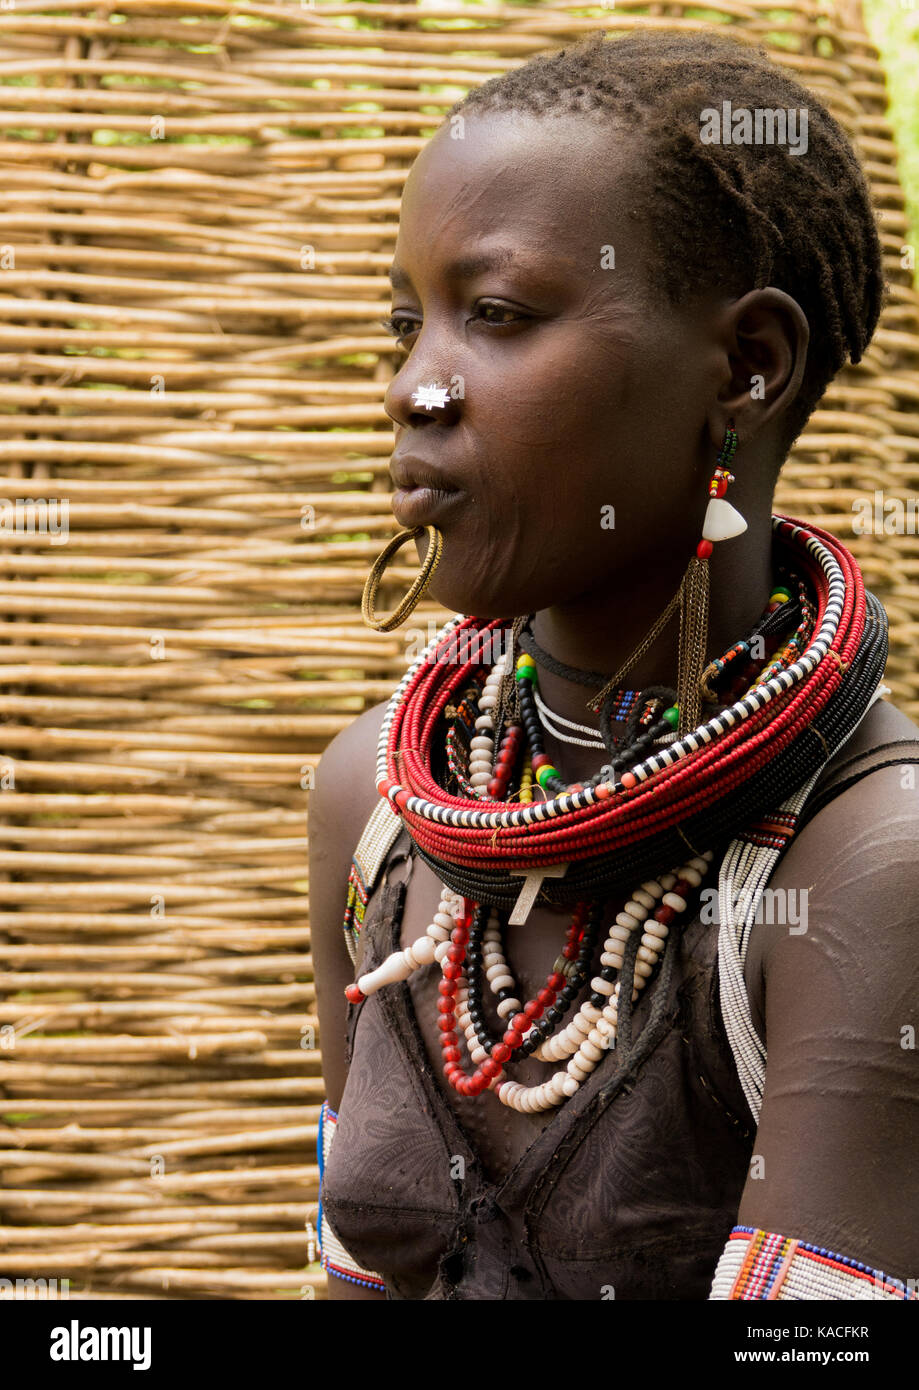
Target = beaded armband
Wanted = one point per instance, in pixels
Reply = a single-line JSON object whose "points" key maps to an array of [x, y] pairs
{"points": [[377, 839], [763, 1265], [333, 1256]]}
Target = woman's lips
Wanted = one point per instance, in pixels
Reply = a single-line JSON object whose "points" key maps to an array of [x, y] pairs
{"points": [[422, 506]]}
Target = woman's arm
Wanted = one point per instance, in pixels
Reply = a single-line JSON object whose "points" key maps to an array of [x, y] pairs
{"points": [[835, 1153], [339, 804]]}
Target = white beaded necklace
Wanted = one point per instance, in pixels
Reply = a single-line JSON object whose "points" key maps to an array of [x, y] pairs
{"points": [[592, 1032], [550, 718]]}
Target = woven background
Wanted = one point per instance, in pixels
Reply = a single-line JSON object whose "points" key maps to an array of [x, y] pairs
{"points": [[200, 205]]}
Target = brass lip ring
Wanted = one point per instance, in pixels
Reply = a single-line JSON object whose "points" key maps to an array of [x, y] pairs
{"points": [[419, 584]]}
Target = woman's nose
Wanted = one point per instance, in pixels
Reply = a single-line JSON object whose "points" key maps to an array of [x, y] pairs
{"points": [[423, 391]]}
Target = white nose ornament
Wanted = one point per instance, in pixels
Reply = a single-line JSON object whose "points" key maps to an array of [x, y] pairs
{"points": [[722, 521], [431, 397]]}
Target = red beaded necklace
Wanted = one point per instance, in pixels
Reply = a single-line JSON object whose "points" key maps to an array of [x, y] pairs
{"points": [[682, 780]]}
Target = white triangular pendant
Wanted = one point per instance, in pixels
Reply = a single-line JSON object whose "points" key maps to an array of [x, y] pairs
{"points": [[722, 521]]}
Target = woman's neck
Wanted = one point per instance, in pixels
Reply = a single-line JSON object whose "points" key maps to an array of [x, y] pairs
{"points": [[599, 630]]}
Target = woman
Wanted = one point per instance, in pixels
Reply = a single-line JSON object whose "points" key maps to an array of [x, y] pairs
{"points": [[610, 323]]}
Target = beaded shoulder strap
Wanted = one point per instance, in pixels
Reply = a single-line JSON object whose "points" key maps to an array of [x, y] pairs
{"points": [[377, 839]]}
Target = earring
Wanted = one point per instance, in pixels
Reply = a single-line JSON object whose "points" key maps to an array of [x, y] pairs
{"points": [[722, 522], [419, 584]]}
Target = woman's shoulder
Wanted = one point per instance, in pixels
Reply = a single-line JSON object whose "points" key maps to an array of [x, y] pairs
{"points": [[868, 783], [886, 737], [869, 787], [344, 791], [848, 882], [839, 981], [340, 803]]}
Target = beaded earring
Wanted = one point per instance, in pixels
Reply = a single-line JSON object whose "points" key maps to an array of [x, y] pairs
{"points": [[722, 522]]}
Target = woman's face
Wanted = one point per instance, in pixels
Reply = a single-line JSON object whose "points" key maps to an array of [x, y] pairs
{"points": [[576, 431]]}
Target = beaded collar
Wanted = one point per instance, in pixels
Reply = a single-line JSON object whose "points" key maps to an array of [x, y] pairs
{"points": [[751, 754]]}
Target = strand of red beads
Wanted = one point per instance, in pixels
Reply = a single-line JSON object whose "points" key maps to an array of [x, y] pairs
{"points": [[472, 1084], [505, 762]]}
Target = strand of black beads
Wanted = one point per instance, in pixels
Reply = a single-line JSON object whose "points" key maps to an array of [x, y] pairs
{"points": [[473, 964], [526, 679], [530, 720], [577, 973]]}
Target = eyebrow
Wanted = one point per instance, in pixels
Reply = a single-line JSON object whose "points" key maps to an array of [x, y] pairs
{"points": [[462, 269]]}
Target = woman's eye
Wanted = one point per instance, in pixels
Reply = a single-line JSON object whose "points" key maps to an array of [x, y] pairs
{"points": [[398, 325], [499, 315], [503, 313]]}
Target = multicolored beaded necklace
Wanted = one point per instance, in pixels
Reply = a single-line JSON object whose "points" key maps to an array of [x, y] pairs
{"points": [[472, 815]]}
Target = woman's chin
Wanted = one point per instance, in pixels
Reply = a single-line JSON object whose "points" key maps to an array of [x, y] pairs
{"points": [[466, 598]]}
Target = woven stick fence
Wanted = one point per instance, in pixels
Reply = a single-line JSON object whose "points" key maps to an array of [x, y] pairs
{"points": [[201, 204]]}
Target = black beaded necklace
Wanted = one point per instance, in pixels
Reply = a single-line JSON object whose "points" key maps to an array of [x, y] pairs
{"points": [[576, 972]]}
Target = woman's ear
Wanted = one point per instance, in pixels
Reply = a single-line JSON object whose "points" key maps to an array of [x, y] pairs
{"points": [[767, 334]]}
